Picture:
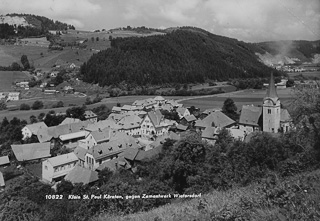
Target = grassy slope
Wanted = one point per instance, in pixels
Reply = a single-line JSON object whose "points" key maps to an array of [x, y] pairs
{"points": [[298, 195]]}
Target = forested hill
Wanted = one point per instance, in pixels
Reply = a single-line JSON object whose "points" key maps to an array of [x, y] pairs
{"points": [[181, 56], [25, 25]]}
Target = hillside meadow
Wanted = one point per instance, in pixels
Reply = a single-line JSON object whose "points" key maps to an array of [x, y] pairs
{"points": [[8, 77]]}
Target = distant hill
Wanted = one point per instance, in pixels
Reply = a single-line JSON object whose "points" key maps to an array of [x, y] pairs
{"points": [[26, 25], [289, 52], [183, 55]]}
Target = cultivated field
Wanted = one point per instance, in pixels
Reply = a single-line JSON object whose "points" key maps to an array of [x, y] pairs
{"points": [[8, 77], [308, 75]]}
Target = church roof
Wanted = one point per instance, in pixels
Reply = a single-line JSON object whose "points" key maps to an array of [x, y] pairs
{"points": [[285, 116], [272, 92]]}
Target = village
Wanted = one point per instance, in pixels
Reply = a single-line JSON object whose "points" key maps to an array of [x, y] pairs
{"points": [[133, 133]]}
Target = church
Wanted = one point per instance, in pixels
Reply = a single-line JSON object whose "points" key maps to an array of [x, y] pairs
{"points": [[268, 118]]}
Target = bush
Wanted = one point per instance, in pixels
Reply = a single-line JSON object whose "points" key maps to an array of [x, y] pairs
{"points": [[37, 105], [24, 107]]}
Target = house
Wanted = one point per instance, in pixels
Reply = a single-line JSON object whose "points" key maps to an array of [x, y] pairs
{"points": [[285, 120], [69, 120], [54, 74], [72, 137], [182, 112], [116, 110], [210, 134], [82, 175], [90, 116], [100, 125], [33, 151], [95, 138], [188, 120], [159, 100], [103, 152], [154, 124], [55, 168], [209, 111], [2, 183], [237, 134], [32, 129], [50, 91], [4, 161], [80, 153], [13, 96], [250, 118], [23, 84], [131, 125], [214, 119], [65, 87]]}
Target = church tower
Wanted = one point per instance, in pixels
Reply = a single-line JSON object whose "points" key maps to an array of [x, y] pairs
{"points": [[271, 109]]}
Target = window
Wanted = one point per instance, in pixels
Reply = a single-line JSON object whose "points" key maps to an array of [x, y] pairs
{"points": [[269, 111], [45, 167], [55, 169]]}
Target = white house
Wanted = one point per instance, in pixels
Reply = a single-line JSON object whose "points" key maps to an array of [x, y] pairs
{"points": [[32, 129], [131, 125], [95, 138], [55, 168], [90, 116], [182, 112], [13, 96]]}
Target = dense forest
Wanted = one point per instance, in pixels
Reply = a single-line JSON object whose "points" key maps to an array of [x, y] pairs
{"points": [[40, 26], [181, 56]]}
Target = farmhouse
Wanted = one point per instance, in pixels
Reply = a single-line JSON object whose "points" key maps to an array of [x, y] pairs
{"points": [[250, 118], [32, 129], [95, 138], [13, 96], [33, 151], [55, 168], [214, 119]]}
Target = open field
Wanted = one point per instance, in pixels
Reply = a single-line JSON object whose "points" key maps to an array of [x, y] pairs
{"points": [[309, 75], [7, 77]]}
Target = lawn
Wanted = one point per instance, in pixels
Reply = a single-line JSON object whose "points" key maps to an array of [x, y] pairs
{"points": [[8, 77], [308, 74]]}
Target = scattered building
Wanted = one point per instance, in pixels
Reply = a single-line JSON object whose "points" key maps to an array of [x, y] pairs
{"points": [[32, 129], [33, 151]]}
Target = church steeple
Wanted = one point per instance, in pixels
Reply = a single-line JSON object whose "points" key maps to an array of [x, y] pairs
{"points": [[272, 92]]}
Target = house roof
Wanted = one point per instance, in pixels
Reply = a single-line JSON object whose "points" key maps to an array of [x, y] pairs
{"points": [[69, 120], [35, 127], [130, 153], [159, 98], [143, 155], [80, 152], [181, 110], [161, 139], [209, 111], [250, 115], [190, 118], [67, 128], [155, 117], [210, 132], [117, 144], [71, 136], [101, 135], [114, 164], [284, 115], [116, 117], [62, 159], [88, 114], [217, 119], [4, 160], [1, 180], [182, 127], [81, 175], [128, 122], [102, 125], [24, 152], [116, 109]]}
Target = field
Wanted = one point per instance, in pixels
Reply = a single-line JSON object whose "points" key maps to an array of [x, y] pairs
{"points": [[308, 75], [8, 77]]}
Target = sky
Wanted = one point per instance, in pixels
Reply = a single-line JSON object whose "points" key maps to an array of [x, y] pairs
{"points": [[246, 20]]}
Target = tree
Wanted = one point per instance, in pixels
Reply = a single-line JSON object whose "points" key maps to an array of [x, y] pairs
{"points": [[37, 105], [230, 109], [76, 112], [33, 119], [3, 105], [24, 106], [25, 62]]}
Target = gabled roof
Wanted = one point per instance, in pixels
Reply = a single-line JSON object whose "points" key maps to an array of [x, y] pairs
{"points": [[2, 184], [67, 128], [24, 152], [144, 155], [117, 144], [115, 164], [69, 120], [62, 159], [155, 117], [210, 132], [217, 119], [209, 111], [102, 125], [190, 118], [35, 127], [80, 153], [101, 135], [81, 175], [128, 122], [161, 139], [250, 115], [130, 153], [4, 160], [116, 117], [181, 110], [159, 98], [285, 116], [88, 114], [71, 136], [182, 127], [116, 109]]}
